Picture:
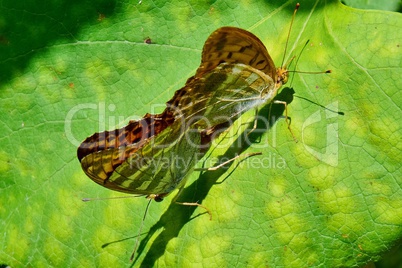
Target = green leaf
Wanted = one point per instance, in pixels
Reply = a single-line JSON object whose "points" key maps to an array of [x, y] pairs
{"points": [[391, 5], [332, 199]]}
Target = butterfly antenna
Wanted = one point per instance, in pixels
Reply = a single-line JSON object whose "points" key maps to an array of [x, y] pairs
{"points": [[297, 61], [290, 28], [140, 230], [304, 72], [109, 198], [322, 106]]}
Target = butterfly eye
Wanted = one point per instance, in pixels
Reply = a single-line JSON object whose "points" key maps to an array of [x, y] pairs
{"points": [[284, 78], [158, 198]]}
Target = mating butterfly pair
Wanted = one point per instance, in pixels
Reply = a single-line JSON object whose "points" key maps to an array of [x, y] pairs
{"points": [[153, 156]]}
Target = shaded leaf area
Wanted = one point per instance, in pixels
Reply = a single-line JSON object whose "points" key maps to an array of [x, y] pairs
{"points": [[332, 199], [390, 5], [29, 29]]}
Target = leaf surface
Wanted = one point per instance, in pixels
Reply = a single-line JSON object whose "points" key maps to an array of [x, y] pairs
{"points": [[332, 199]]}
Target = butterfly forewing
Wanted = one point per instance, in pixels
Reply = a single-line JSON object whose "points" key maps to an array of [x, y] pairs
{"points": [[229, 91], [134, 132], [235, 45]]}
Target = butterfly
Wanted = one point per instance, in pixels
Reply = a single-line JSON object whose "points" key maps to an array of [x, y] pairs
{"points": [[152, 156]]}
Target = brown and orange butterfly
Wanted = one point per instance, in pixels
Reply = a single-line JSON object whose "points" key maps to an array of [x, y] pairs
{"points": [[152, 156]]}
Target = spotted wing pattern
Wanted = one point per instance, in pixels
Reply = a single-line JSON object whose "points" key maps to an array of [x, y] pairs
{"points": [[235, 45], [101, 153]]}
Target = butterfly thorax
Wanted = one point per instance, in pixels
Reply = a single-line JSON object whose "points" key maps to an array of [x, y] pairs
{"points": [[282, 76]]}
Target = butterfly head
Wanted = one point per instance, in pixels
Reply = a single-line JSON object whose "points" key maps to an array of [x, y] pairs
{"points": [[282, 76]]}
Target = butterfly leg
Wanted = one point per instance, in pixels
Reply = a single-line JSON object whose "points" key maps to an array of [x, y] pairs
{"points": [[196, 204], [287, 118], [228, 161], [255, 122], [137, 240], [191, 203]]}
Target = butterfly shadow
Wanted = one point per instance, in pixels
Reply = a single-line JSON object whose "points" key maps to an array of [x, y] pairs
{"points": [[176, 216]]}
